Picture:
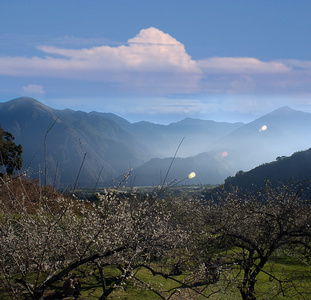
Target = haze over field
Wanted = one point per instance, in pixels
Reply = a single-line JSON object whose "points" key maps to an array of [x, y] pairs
{"points": [[158, 61]]}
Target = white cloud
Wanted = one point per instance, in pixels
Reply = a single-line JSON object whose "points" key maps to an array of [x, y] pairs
{"points": [[150, 51], [156, 63], [33, 89], [241, 65], [154, 36], [244, 75], [299, 64], [152, 59]]}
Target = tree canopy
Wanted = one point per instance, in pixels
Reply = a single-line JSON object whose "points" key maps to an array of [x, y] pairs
{"points": [[10, 153], [246, 246]]}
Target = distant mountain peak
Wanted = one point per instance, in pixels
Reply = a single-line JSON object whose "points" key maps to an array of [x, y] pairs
{"points": [[284, 109], [25, 98], [285, 112], [25, 101], [288, 110]]}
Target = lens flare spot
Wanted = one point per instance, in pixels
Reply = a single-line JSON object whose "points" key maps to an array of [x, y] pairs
{"points": [[263, 128], [191, 175], [224, 154]]}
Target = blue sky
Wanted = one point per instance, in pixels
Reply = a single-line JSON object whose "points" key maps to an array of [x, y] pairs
{"points": [[156, 60]]}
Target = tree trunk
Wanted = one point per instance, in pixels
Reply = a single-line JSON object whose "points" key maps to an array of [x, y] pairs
{"points": [[247, 289]]}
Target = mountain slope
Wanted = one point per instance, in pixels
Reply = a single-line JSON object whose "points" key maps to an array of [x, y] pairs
{"points": [[107, 144], [281, 132], [208, 169], [199, 136], [112, 144], [214, 150], [297, 167]]}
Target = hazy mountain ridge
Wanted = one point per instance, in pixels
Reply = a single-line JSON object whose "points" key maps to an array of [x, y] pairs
{"points": [[279, 133], [214, 150], [199, 135], [73, 134], [208, 169]]}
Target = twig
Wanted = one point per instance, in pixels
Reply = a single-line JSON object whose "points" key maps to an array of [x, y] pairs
{"points": [[45, 159], [98, 179], [55, 176], [162, 189], [80, 167]]}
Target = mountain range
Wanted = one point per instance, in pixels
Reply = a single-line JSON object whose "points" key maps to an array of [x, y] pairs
{"points": [[104, 146]]}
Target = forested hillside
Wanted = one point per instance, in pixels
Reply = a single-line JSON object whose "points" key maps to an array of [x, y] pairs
{"points": [[284, 170]]}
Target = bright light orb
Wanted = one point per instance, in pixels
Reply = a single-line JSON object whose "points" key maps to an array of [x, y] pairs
{"points": [[263, 128], [224, 154], [191, 175]]}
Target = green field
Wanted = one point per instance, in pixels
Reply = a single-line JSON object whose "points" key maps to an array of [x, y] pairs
{"points": [[295, 274]]}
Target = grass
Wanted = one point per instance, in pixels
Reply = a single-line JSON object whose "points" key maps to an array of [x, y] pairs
{"points": [[295, 279], [91, 287], [266, 287]]}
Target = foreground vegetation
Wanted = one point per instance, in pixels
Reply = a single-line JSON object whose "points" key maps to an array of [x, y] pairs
{"points": [[139, 246]]}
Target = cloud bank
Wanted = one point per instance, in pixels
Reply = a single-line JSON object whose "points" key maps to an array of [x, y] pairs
{"points": [[152, 60], [33, 89], [240, 65], [156, 63]]}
